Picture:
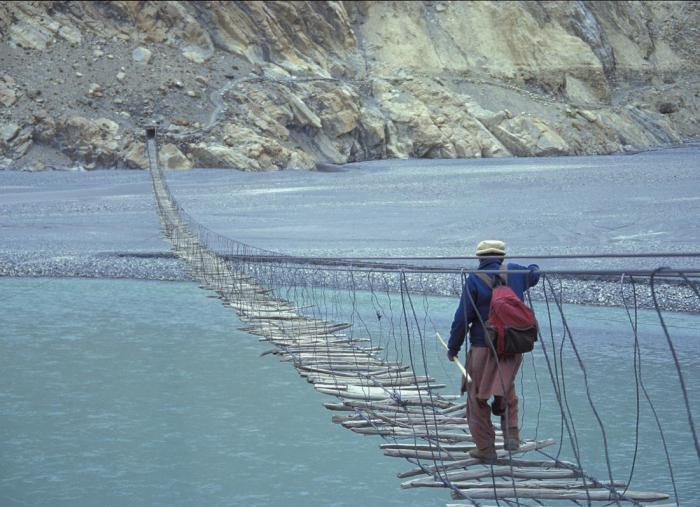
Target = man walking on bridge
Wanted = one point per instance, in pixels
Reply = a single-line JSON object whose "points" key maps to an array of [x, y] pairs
{"points": [[492, 374]]}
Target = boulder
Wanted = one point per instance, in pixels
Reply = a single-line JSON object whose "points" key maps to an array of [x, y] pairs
{"points": [[220, 156], [339, 109], [141, 55], [8, 95], [15, 140], [372, 135], [171, 157], [588, 115], [329, 150], [94, 142], [29, 35], [300, 160], [667, 107], [8, 132], [72, 35], [135, 156], [397, 145], [302, 114], [44, 127], [266, 152], [529, 136], [194, 55], [94, 90]]}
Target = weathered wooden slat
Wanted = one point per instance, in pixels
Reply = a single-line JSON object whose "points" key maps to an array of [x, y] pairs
{"points": [[288, 332], [363, 387], [316, 341], [385, 407], [400, 417], [381, 421], [331, 347], [361, 378], [367, 393], [346, 354], [557, 494], [349, 359], [344, 357], [503, 459], [308, 370], [426, 446], [405, 404], [358, 385], [491, 471], [343, 365], [539, 483], [495, 471], [305, 327], [429, 455], [340, 365], [346, 367], [278, 315], [456, 408], [443, 436]]}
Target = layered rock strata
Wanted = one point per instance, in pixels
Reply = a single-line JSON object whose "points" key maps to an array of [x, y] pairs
{"points": [[288, 85]]}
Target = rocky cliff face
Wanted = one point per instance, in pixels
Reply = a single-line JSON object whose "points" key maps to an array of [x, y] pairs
{"points": [[289, 85]]}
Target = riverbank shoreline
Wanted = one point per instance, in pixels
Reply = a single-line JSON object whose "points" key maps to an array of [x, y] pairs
{"points": [[334, 168], [166, 267], [103, 224]]}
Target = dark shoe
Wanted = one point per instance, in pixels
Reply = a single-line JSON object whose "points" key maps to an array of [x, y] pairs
{"points": [[486, 455], [498, 408], [511, 440]]}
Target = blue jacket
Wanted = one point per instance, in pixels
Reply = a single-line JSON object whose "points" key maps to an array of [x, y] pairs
{"points": [[466, 318]]}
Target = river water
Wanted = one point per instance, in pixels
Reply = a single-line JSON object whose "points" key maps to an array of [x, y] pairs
{"points": [[124, 392], [127, 392]]}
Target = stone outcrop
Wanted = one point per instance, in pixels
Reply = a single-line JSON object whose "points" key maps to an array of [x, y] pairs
{"points": [[527, 136], [90, 142], [172, 158], [287, 85], [220, 156], [169, 156], [8, 94]]}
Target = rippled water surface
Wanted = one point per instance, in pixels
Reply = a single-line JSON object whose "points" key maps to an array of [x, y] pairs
{"points": [[145, 393]]}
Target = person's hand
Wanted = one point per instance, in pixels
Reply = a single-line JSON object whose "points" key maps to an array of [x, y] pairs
{"points": [[450, 357]]}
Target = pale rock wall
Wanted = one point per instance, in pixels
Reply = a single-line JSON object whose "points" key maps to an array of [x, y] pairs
{"points": [[275, 85]]}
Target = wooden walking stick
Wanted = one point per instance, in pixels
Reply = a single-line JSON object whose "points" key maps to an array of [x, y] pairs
{"points": [[459, 365]]}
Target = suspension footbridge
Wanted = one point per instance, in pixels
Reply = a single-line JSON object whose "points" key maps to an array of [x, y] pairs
{"points": [[379, 387]]}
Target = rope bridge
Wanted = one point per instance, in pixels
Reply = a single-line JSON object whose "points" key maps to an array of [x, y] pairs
{"points": [[361, 330]]}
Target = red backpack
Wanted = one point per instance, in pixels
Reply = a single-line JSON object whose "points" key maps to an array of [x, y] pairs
{"points": [[511, 326]]}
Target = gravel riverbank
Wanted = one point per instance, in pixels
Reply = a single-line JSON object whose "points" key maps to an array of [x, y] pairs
{"points": [[104, 223], [166, 267]]}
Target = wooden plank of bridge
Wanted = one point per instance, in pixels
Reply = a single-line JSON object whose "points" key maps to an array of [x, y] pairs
{"points": [[598, 495]]}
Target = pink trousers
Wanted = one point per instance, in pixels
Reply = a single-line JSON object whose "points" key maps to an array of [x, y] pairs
{"points": [[491, 378]]}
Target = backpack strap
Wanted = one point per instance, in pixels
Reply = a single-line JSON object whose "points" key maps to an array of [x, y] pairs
{"points": [[503, 272], [502, 275], [486, 279]]}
